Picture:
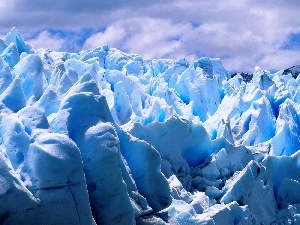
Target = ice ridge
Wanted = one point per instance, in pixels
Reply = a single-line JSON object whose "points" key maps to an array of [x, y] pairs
{"points": [[106, 137]]}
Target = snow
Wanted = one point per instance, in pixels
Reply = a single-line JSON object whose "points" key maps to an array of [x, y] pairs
{"points": [[107, 190], [11, 55], [106, 137]]}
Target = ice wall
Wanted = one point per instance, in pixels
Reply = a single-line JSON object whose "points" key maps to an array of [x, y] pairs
{"points": [[105, 137]]}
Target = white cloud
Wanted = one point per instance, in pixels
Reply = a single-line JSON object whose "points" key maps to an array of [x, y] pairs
{"points": [[239, 49], [151, 38], [280, 59], [243, 33], [113, 35], [46, 40]]}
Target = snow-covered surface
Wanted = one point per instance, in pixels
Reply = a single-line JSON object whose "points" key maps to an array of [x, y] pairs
{"points": [[104, 137]]}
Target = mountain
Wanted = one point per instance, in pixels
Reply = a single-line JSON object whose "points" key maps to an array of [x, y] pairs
{"points": [[105, 137], [247, 77], [294, 71]]}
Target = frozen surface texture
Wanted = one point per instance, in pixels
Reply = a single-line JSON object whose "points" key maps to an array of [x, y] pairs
{"points": [[105, 137]]}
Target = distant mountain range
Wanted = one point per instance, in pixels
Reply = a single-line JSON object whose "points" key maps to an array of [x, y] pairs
{"points": [[247, 77], [294, 70]]}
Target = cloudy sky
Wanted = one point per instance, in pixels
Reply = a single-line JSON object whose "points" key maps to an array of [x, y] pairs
{"points": [[243, 33]]}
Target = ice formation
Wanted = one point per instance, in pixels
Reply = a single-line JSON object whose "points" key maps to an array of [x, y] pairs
{"points": [[105, 137]]}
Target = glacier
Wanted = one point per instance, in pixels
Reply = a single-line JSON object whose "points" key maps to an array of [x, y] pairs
{"points": [[106, 137]]}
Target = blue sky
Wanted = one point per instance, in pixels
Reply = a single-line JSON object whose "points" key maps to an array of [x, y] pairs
{"points": [[243, 33]]}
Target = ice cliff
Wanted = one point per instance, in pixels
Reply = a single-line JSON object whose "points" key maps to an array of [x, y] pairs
{"points": [[105, 137]]}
